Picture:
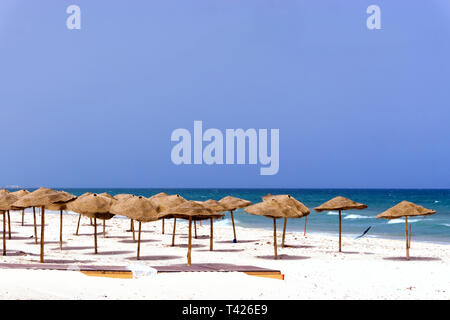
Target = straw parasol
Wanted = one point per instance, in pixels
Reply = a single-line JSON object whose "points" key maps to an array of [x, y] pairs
{"points": [[340, 203], [274, 209], [166, 202], [288, 200], [79, 215], [60, 207], [94, 206], [124, 196], [104, 194], [230, 204], [406, 209], [6, 201], [191, 210], [138, 208], [216, 207], [21, 193], [18, 195], [43, 197], [161, 194]]}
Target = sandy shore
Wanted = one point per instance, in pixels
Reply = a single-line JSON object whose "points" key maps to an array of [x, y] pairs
{"points": [[369, 268]]}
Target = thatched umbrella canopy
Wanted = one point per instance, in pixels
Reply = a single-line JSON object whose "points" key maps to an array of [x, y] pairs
{"points": [[166, 202], [107, 195], [232, 203], [406, 209], [79, 214], [338, 204], [216, 207], [274, 209], [60, 207], [138, 208], [6, 201], [21, 193], [17, 195], [123, 196], [213, 205], [160, 195], [191, 210], [43, 197], [94, 206], [288, 200]]}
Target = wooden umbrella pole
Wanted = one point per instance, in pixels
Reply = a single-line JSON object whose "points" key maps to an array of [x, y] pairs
{"points": [[406, 234], [162, 225], [78, 224], [195, 229], [132, 229], [95, 235], [35, 227], [189, 242], [60, 228], [304, 230], [23, 216], [104, 228], [275, 237], [340, 229], [90, 221], [409, 240], [234, 229], [4, 233], [139, 241], [42, 232], [173, 235], [211, 237], [284, 232], [9, 226]]}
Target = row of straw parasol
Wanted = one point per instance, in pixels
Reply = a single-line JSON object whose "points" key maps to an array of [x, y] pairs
{"points": [[285, 206], [163, 206]]}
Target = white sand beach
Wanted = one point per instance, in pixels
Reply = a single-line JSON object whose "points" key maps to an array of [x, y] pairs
{"points": [[368, 268]]}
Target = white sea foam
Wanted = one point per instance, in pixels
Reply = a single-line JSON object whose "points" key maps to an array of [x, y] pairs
{"points": [[393, 221], [332, 213], [356, 216], [446, 224]]}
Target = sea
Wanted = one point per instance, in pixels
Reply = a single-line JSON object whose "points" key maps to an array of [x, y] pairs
{"points": [[434, 228]]}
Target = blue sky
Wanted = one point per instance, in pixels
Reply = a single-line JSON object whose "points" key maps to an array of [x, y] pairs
{"points": [[95, 107]]}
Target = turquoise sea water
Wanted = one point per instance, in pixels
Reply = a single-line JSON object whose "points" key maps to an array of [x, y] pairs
{"points": [[434, 228]]}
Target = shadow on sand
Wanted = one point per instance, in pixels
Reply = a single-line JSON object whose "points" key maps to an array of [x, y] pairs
{"points": [[412, 259], [56, 261], [74, 248], [142, 241], [283, 257], [224, 250], [295, 246], [108, 253], [152, 258], [238, 241]]}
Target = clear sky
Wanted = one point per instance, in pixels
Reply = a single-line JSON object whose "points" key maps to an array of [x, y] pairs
{"points": [[95, 107]]}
